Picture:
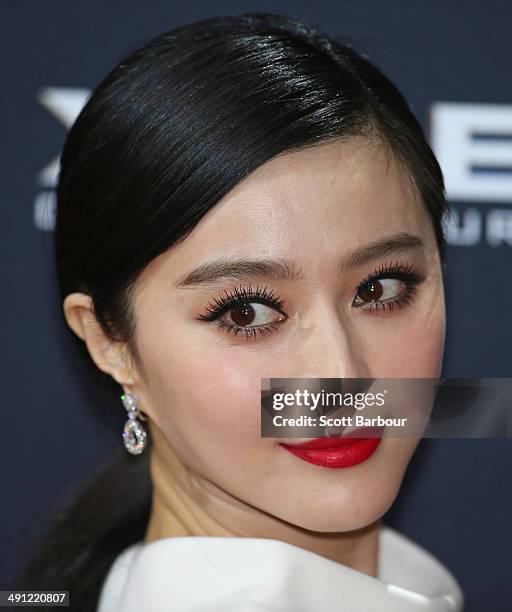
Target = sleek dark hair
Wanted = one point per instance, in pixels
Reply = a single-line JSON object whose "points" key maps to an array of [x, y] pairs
{"points": [[164, 136]]}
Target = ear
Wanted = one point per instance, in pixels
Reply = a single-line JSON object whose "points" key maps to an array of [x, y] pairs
{"points": [[110, 357]]}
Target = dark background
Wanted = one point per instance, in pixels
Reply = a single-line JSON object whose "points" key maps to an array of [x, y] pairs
{"points": [[457, 496]]}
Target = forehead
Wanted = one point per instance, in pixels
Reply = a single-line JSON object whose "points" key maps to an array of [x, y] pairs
{"points": [[311, 204], [330, 188]]}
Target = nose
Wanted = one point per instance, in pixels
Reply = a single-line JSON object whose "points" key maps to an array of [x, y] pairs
{"points": [[329, 347]]}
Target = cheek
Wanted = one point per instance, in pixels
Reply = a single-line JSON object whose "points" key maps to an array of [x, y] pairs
{"points": [[205, 398], [414, 346], [423, 352], [221, 398]]}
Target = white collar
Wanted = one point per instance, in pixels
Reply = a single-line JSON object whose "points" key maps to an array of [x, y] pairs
{"points": [[231, 574]]}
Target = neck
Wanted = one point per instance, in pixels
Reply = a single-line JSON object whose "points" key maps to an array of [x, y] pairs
{"points": [[185, 504]]}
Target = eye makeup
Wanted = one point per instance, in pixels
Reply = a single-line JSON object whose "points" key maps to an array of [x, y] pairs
{"points": [[244, 304], [371, 286], [242, 298]]}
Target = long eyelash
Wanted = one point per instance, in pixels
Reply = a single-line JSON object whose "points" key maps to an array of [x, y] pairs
{"points": [[240, 295], [405, 272], [263, 295]]}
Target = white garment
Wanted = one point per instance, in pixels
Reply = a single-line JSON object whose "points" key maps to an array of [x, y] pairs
{"points": [[232, 574]]}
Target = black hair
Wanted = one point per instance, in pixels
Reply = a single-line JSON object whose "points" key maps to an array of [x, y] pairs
{"points": [[163, 137]]}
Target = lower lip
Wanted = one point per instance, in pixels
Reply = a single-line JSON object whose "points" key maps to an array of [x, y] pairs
{"points": [[341, 457]]}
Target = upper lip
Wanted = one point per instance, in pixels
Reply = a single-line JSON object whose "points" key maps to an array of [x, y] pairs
{"points": [[337, 441]]}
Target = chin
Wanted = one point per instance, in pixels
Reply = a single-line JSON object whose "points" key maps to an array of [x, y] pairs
{"points": [[350, 503], [344, 517]]}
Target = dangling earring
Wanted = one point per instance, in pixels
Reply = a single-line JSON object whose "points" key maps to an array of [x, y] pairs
{"points": [[134, 434]]}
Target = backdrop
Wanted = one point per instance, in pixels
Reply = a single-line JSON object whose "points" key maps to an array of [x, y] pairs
{"points": [[452, 61]]}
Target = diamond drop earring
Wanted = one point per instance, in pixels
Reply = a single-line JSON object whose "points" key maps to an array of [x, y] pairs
{"points": [[134, 434]]}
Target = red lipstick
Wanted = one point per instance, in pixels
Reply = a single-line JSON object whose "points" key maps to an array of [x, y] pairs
{"points": [[337, 451]]}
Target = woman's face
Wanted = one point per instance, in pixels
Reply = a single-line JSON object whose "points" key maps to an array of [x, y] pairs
{"points": [[310, 211]]}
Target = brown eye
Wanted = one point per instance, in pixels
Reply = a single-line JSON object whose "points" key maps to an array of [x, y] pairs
{"points": [[252, 314], [379, 290], [371, 291], [242, 314]]}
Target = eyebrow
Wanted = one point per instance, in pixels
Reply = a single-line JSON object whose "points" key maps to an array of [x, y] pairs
{"points": [[219, 269]]}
